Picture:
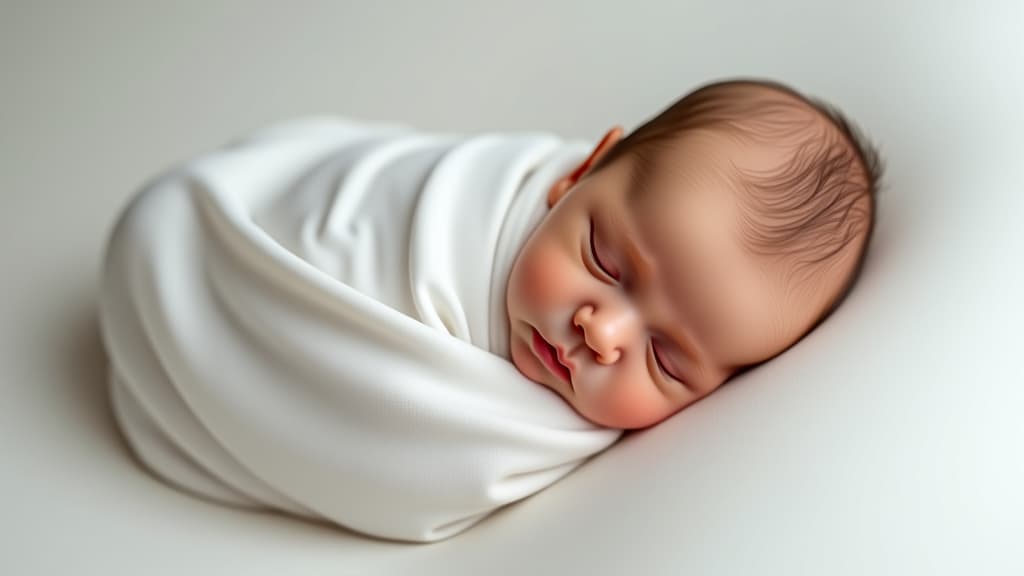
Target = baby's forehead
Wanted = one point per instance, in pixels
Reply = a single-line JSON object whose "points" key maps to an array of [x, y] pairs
{"points": [[764, 192], [698, 210], [745, 171], [694, 165], [701, 271]]}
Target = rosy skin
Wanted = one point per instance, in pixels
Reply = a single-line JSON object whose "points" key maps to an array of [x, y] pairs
{"points": [[629, 343]]}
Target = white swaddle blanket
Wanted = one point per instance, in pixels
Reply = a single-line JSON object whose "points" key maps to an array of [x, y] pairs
{"points": [[313, 320]]}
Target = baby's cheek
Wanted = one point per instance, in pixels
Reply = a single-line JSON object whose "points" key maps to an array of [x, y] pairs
{"points": [[542, 275], [630, 405]]}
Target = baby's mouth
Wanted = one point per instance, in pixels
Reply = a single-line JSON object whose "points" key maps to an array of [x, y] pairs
{"points": [[548, 355]]}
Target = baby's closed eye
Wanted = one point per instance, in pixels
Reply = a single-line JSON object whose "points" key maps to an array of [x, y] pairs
{"points": [[665, 361], [603, 263]]}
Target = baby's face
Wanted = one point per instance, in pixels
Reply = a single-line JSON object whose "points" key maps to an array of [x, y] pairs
{"points": [[632, 304]]}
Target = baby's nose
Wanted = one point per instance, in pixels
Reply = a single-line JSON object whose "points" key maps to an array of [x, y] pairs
{"points": [[606, 330]]}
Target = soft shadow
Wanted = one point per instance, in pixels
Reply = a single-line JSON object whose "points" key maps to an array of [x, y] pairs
{"points": [[86, 361]]}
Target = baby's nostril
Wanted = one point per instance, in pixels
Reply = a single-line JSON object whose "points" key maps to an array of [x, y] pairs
{"points": [[577, 328]]}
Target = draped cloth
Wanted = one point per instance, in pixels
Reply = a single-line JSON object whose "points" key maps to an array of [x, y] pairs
{"points": [[312, 320]]}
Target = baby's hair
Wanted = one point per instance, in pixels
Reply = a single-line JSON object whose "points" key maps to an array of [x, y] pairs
{"points": [[810, 208]]}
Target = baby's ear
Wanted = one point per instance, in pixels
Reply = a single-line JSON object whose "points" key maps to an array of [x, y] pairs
{"points": [[560, 188]]}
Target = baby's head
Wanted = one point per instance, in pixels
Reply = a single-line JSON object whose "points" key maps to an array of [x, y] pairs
{"points": [[711, 239]]}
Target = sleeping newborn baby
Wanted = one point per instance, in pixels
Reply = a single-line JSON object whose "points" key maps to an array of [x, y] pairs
{"points": [[401, 331], [711, 239]]}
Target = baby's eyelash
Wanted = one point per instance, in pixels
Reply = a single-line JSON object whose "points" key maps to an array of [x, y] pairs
{"points": [[596, 258], [664, 369]]}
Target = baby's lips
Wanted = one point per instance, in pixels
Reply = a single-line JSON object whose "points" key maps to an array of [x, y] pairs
{"points": [[564, 360]]}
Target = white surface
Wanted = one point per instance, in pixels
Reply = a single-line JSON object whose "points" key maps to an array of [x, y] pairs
{"points": [[886, 443]]}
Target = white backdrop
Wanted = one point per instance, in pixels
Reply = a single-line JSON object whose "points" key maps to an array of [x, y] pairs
{"points": [[887, 442]]}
